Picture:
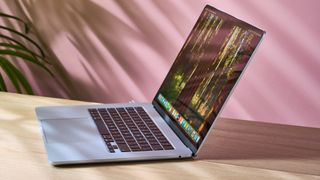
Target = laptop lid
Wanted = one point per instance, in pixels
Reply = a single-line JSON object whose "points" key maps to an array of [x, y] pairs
{"points": [[204, 73]]}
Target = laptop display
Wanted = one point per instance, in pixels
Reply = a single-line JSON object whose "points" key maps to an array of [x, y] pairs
{"points": [[205, 71]]}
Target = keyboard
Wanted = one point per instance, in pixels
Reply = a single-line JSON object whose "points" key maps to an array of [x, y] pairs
{"points": [[129, 129]]}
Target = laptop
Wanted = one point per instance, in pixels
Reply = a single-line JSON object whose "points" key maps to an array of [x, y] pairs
{"points": [[178, 120]]}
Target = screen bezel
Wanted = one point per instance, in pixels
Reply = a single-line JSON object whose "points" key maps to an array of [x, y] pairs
{"points": [[167, 117]]}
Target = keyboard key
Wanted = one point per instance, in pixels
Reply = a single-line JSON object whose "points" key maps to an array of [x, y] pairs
{"points": [[157, 147], [154, 143], [111, 150], [107, 137], [168, 147], [135, 150], [124, 148], [101, 127]]}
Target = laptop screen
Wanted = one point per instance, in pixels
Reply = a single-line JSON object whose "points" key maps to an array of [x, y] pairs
{"points": [[205, 71]]}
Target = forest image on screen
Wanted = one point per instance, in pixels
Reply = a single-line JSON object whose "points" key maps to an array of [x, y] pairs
{"points": [[205, 71]]}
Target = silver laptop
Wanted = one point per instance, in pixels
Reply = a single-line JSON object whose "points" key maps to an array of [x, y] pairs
{"points": [[176, 123]]}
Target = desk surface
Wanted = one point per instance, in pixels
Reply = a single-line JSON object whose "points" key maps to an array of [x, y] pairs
{"points": [[236, 150]]}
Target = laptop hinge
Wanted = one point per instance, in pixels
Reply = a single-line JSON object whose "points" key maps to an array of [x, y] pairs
{"points": [[175, 128]]}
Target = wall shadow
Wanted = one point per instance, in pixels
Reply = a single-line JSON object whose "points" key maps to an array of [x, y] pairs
{"points": [[83, 24]]}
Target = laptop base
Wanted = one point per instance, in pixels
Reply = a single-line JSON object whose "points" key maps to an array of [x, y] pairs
{"points": [[72, 137]]}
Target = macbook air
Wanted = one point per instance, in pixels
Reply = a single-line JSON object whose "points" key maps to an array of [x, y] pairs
{"points": [[178, 120]]}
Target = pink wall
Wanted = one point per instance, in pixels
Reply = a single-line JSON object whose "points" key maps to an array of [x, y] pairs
{"points": [[115, 51]]}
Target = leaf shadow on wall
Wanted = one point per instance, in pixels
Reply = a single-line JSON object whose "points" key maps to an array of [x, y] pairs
{"points": [[85, 26], [282, 79]]}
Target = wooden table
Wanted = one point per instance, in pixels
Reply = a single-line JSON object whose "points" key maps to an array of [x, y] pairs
{"points": [[236, 150]]}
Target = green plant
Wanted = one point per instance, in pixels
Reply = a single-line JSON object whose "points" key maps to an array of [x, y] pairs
{"points": [[12, 48]]}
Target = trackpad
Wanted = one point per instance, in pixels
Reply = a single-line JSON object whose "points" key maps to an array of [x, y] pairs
{"points": [[69, 130]]}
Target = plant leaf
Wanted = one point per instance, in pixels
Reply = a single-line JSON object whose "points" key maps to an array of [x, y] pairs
{"points": [[17, 42], [21, 48], [17, 77], [25, 57], [26, 26], [10, 74], [24, 36], [20, 77], [23, 81], [3, 86]]}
